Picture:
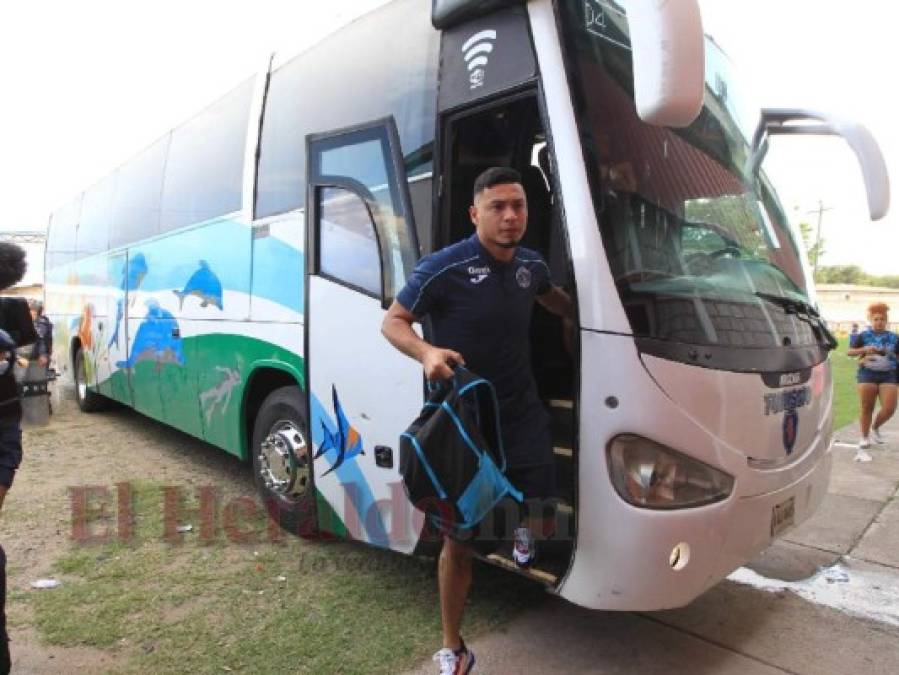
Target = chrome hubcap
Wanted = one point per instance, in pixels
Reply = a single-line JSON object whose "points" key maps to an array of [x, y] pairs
{"points": [[284, 460], [80, 379]]}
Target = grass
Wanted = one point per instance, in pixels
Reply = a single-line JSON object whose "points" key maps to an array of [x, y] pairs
{"points": [[288, 606], [845, 398]]}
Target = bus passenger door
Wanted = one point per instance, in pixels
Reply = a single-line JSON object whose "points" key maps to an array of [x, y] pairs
{"points": [[362, 392]]}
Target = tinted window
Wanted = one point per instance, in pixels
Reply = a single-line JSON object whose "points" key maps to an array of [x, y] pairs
{"points": [[138, 190], [336, 85], [96, 217], [348, 248], [204, 173], [364, 157], [61, 234]]}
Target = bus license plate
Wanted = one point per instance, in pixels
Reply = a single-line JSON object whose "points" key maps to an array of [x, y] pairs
{"points": [[783, 516]]}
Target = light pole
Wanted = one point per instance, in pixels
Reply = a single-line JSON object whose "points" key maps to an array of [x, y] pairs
{"points": [[820, 211]]}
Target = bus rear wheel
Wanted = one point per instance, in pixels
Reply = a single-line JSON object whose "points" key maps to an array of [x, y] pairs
{"points": [[88, 401], [282, 461]]}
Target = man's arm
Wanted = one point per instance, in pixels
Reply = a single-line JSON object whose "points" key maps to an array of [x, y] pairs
{"points": [[558, 302], [397, 328]]}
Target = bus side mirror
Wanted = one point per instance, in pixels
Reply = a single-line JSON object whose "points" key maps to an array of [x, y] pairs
{"points": [[805, 122], [668, 48]]}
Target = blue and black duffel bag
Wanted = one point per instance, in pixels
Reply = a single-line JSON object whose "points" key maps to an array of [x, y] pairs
{"points": [[451, 457]]}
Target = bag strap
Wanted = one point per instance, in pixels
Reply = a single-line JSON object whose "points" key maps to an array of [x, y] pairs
{"points": [[425, 464], [481, 382]]}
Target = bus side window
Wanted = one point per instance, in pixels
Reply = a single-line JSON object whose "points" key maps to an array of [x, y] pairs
{"points": [[348, 249]]}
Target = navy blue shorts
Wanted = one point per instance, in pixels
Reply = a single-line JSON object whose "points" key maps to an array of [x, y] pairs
{"points": [[868, 376]]}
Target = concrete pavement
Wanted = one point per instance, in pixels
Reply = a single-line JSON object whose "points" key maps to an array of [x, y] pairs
{"points": [[823, 600]]}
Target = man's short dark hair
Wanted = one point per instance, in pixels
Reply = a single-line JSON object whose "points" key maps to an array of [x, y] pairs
{"points": [[12, 264], [497, 175]]}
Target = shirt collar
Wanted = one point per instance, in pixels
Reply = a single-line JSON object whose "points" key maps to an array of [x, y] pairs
{"points": [[478, 248]]}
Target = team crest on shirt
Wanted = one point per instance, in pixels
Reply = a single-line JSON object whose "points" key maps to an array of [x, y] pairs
{"points": [[523, 277]]}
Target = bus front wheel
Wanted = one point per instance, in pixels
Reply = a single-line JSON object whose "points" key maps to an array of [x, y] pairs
{"points": [[282, 461], [88, 401]]}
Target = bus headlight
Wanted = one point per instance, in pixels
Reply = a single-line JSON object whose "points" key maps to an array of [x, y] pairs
{"points": [[653, 476]]}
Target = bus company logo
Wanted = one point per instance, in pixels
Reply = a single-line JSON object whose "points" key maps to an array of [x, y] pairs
{"points": [[790, 430], [791, 399], [476, 51]]}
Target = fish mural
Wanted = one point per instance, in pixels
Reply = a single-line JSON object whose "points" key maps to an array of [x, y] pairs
{"points": [[347, 442], [205, 285], [220, 393], [154, 340], [119, 313]]}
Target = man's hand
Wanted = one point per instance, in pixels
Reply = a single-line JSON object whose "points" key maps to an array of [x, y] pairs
{"points": [[42, 360], [438, 363]]}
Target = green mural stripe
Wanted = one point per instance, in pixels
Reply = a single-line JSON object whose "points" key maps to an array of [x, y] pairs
{"points": [[204, 396]]}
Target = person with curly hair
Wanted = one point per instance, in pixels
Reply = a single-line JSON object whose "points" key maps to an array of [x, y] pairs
{"points": [[876, 349]]}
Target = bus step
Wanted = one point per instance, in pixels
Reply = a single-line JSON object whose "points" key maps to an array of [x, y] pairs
{"points": [[561, 403], [531, 572]]}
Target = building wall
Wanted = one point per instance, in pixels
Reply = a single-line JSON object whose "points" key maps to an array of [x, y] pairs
{"points": [[845, 304]]}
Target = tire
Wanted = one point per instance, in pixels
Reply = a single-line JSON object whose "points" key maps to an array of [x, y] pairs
{"points": [[88, 401], [282, 461]]}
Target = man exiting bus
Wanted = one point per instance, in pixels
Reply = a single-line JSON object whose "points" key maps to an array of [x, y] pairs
{"points": [[479, 294]]}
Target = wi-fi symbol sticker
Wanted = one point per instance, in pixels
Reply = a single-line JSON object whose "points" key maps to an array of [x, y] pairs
{"points": [[477, 50]]}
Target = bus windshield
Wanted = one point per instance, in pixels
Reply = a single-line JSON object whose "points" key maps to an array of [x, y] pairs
{"points": [[701, 251]]}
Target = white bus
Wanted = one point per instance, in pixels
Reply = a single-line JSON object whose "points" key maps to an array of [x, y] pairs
{"points": [[231, 279]]}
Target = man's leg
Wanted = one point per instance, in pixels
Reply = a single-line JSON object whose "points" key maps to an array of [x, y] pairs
{"points": [[454, 578]]}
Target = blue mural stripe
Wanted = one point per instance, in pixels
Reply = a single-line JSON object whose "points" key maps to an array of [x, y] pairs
{"points": [[203, 261]]}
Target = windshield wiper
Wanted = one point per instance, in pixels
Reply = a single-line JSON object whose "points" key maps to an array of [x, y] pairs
{"points": [[804, 311]]}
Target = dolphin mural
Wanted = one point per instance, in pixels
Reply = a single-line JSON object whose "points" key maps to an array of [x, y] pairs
{"points": [[347, 441], [154, 340], [133, 272], [205, 285]]}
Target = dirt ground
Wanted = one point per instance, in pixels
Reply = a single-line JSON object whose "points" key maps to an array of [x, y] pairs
{"points": [[78, 450]]}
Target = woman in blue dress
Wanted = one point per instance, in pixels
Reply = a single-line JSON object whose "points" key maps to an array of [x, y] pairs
{"points": [[876, 349]]}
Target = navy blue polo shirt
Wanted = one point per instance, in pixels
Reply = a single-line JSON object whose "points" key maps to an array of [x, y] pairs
{"points": [[481, 308]]}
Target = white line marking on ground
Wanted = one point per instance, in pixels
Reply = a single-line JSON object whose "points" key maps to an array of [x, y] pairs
{"points": [[870, 594]]}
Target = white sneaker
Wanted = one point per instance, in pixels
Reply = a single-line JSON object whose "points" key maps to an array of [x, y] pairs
{"points": [[862, 456], [864, 443], [878, 437], [455, 663], [523, 549]]}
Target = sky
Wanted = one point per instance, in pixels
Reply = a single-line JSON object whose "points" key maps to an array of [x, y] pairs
{"points": [[87, 84]]}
